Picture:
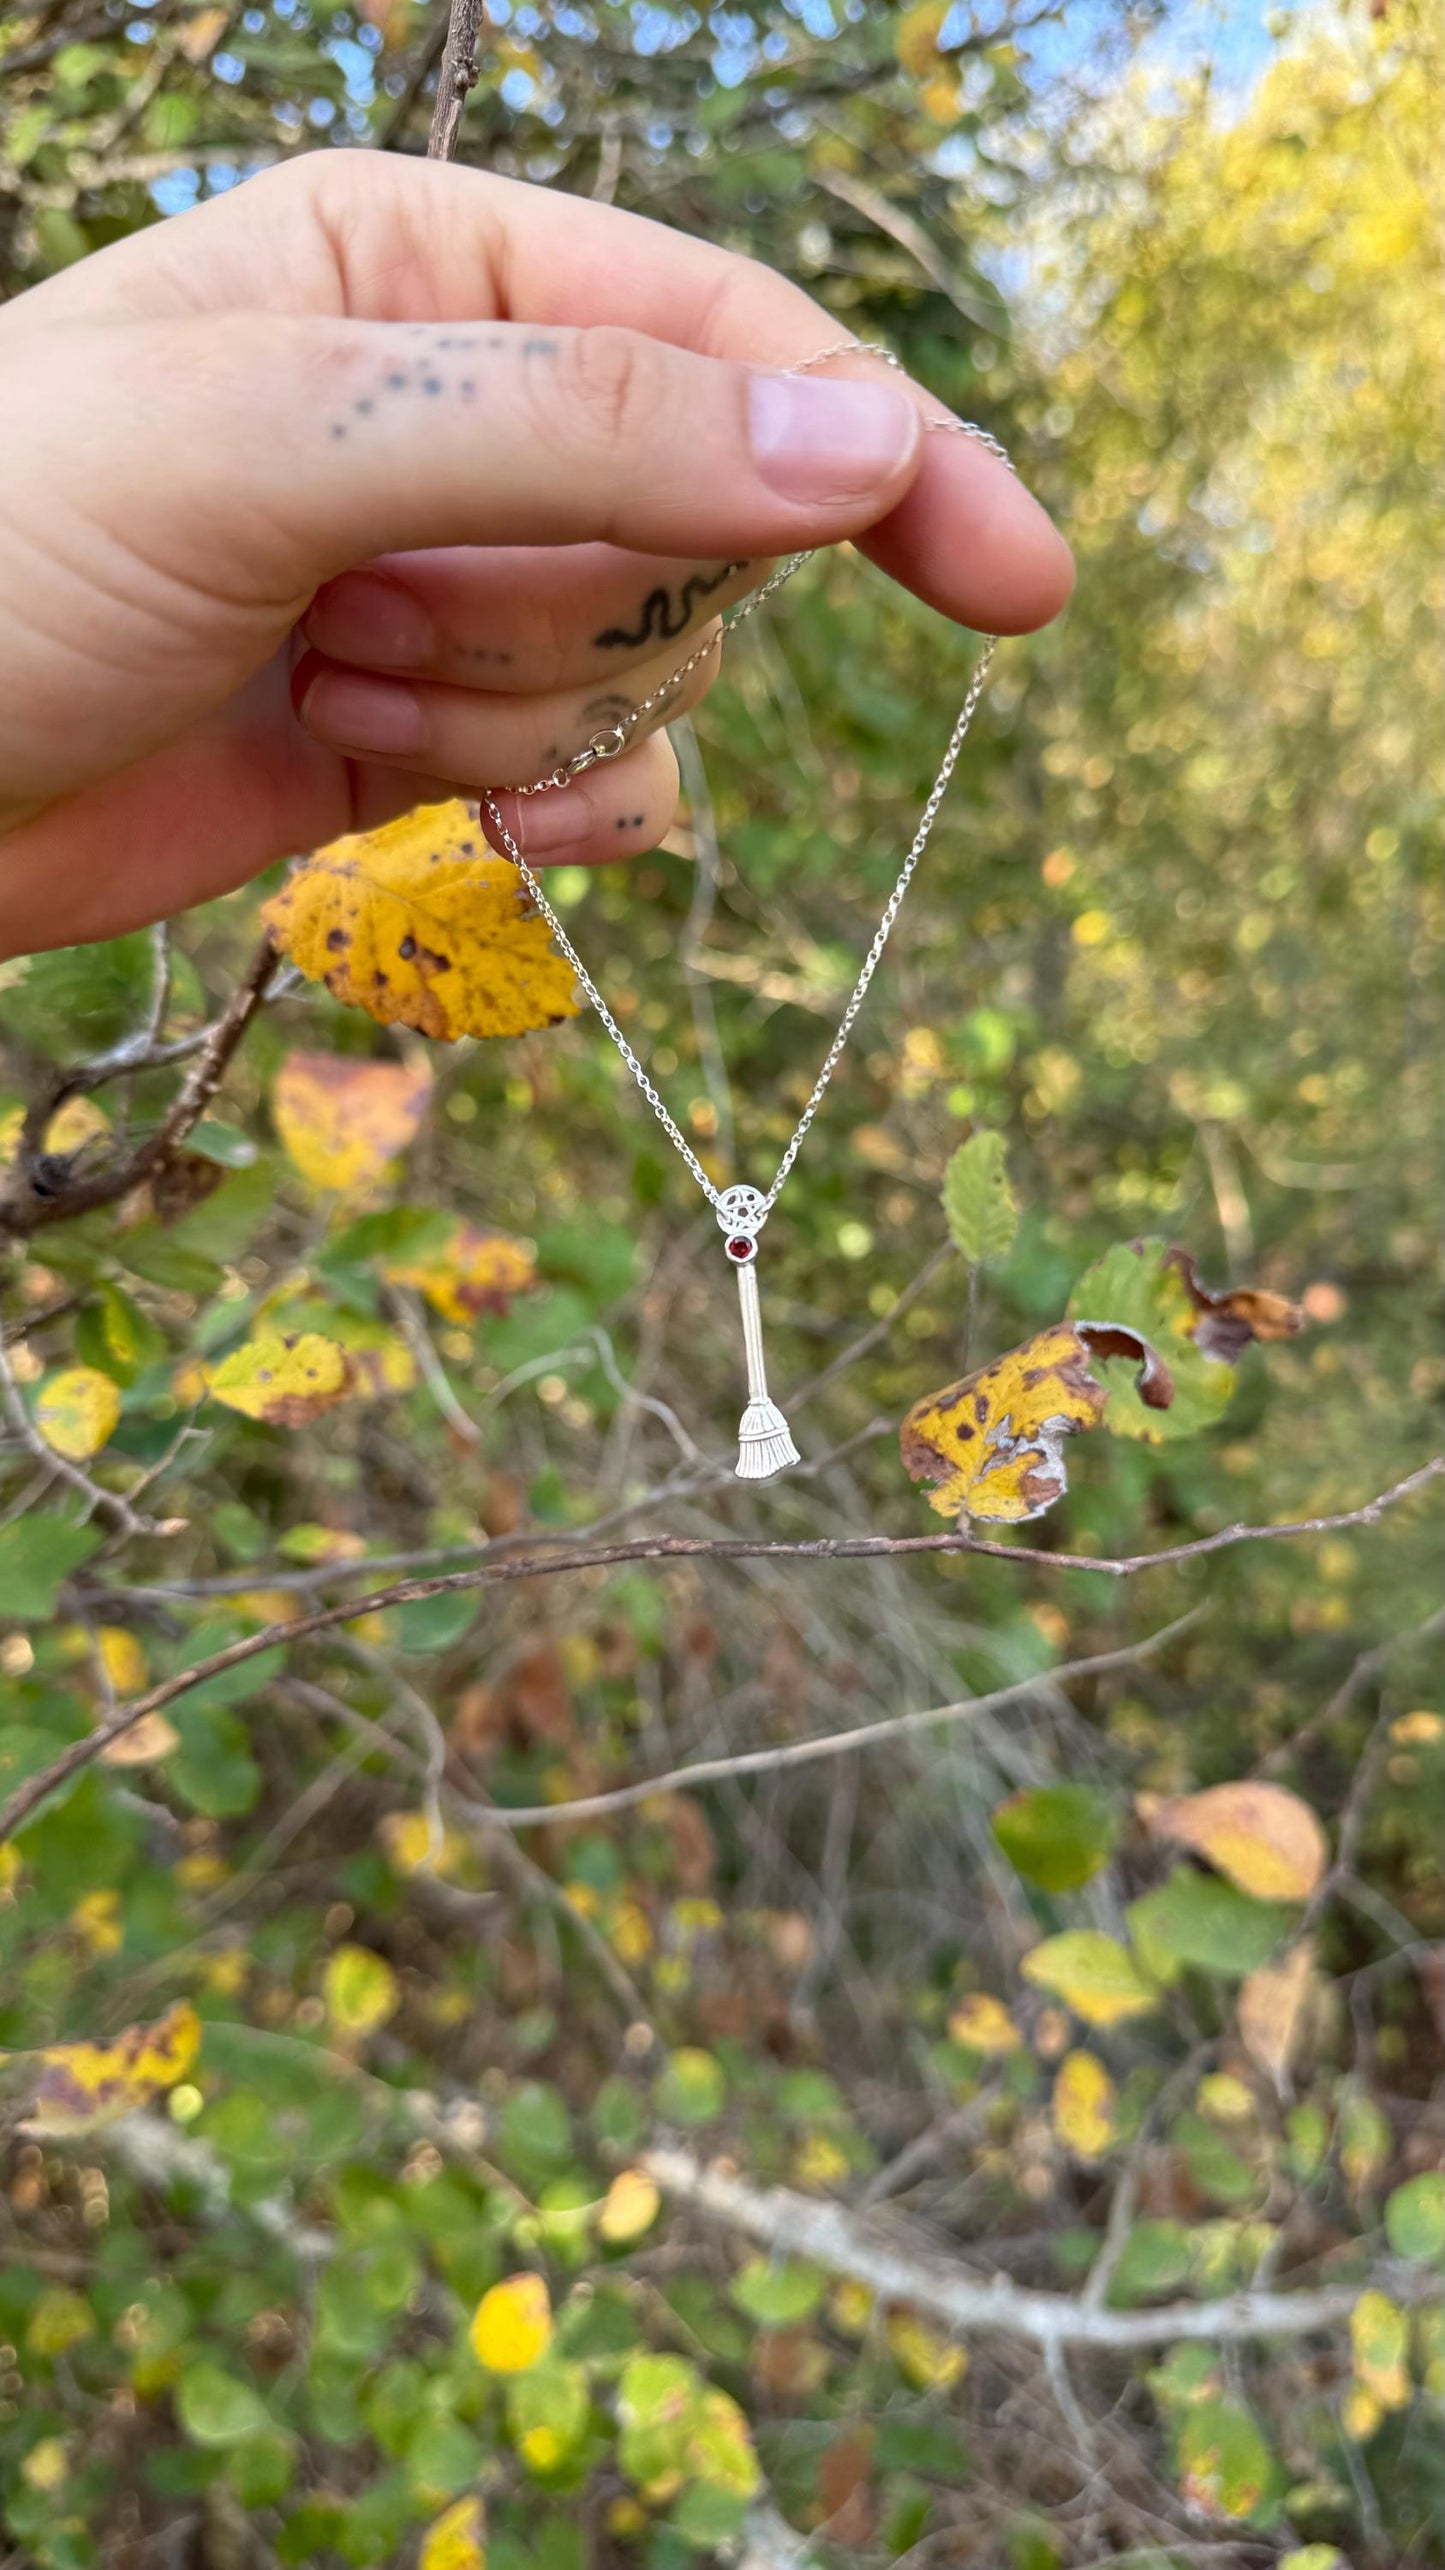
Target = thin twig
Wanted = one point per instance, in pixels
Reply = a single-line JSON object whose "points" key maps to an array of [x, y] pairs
{"points": [[457, 76], [654, 1548]]}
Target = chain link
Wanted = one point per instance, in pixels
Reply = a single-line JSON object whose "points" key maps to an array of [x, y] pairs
{"points": [[617, 738]]}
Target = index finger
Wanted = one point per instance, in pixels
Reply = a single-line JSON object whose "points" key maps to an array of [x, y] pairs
{"points": [[383, 238]]}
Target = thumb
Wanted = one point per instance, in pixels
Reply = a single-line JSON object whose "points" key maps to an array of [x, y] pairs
{"points": [[298, 446]]}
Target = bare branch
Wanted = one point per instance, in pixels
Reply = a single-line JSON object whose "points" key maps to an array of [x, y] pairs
{"points": [[894, 2268], [657, 1548], [456, 78]]}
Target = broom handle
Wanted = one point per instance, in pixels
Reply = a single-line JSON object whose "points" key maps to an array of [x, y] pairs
{"points": [[752, 1331]]}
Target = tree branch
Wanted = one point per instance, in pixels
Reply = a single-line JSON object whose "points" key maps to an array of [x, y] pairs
{"points": [[657, 1548], [457, 76], [798, 2226]]}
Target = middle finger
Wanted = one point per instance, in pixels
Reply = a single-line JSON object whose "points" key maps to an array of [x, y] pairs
{"points": [[522, 619]]}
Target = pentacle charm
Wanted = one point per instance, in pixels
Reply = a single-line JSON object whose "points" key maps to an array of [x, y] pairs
{"points": [[764, 1445]]}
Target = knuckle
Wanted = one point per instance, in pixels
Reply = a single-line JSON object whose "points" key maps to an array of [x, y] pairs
{"points": [[610, 380]]}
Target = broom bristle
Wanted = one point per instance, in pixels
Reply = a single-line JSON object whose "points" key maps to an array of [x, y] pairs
{"points": [[764, 1445]]}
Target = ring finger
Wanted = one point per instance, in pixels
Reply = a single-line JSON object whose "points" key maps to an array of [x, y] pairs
{"points": [[472, 737]]}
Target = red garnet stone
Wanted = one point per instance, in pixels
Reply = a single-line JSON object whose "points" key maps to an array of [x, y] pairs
{"points": [[742, 1250]]}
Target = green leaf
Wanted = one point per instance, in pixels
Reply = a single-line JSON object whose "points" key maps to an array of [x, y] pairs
{"points": [[978, 1204], [215, 2409], [36, 1555], [1226, 2467], [536, 2132], [1131, 1284], [777, 2295], [1093, 1974], [1196, 1920], [692, 2089], [430, 1624], [1415, 2216], [1155, 2259], [213, 1769], [1217, 2170], [1057, 1836], [113, 1333], [707, 2516]]}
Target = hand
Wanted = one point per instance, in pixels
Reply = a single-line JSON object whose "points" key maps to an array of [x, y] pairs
{"points": [[380, 480]]}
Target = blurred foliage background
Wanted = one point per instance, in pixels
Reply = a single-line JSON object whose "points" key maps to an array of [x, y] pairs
{"points": [[1177, 942]]}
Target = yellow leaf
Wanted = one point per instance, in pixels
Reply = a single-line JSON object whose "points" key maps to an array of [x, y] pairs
{"points": [[984, 2024], [77, 1411], [282, 1381], [475, 1271], [1360, 2414], [420, 925], [929, 2362], [97, 1922], [360, 1989], [122, 1658], [457, 2539], [512, 2325], [1264, 1838], [343, 1121], [915, 38], [1380, 2345], [204, 33], [1417, 1730], [994, 1442], [1083, 2105], [79, 1120], [74, 2088], [58, 2320], [631, 2207], [1272, 2007], [1093, 1974]]}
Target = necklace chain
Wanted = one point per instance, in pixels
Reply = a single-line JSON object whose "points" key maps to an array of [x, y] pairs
{"points": [[611, 743]]}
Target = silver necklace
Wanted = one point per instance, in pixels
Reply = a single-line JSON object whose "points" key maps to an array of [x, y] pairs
{"points": [[765, 1446]]}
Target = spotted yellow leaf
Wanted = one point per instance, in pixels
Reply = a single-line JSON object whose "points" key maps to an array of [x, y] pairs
{"points": [[456, 2540], [1264, 1838], [631, 2207], [281, 1381], [1380, 2347], [993, 1443], [984, 2024], [473, 1271], [420, 925], [342, 1121], [77, 2087], [1083, 2105], [1092, 1973], [512, 2325], [360, 1989], [77, 1410]]}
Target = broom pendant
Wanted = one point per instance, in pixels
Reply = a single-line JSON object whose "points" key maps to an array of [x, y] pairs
{"points": [[764, 1445]]}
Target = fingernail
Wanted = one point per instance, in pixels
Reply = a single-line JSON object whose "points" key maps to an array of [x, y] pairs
{"points": [[828, 441], [364, 617], [353, 713], [541, 823]]}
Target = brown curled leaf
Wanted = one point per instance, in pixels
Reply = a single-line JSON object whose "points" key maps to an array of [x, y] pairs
{"points": [[993, 1444], [1224, 1324]]}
